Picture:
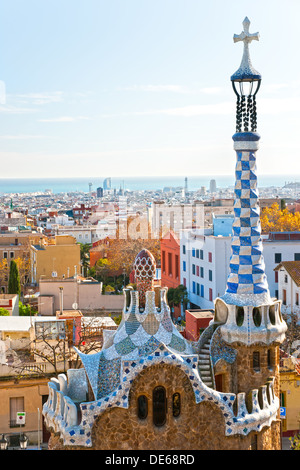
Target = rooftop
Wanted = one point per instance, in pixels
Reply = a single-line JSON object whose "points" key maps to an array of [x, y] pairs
{"points": [[292, 268]]}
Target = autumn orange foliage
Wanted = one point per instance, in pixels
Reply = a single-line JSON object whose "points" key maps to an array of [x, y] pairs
{"points": [[129, 241], [274, 219]]}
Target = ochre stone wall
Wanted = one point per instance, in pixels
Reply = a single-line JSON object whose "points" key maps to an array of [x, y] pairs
{"points": [[199, 426], [245, 378]]}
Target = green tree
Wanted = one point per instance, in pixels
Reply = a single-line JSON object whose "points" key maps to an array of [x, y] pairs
{"points": [[14, 285], [85, 257], [177, 296], [4, 312]]}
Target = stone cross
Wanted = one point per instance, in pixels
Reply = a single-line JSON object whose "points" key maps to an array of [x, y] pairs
{"points": [[245, 35], [246, 68]]}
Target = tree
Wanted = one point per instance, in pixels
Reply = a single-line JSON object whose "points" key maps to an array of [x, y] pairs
{"points": [[177, 296], [129, 241], [276, 219], [85, 257], [4, 312], [14, 286]]}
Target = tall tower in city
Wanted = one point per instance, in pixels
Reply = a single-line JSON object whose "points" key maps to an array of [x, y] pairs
{"points": [[149, 388], [212, 186], [107, 183]]}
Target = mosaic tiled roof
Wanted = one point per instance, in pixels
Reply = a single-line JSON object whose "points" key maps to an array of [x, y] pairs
{"points": [[139, 335]]}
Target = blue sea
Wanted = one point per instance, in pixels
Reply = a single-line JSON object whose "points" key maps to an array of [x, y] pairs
{"points": [[62, 185]]}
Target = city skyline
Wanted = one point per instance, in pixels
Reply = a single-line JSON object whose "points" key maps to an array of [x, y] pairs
{"points": [[142, 88]]}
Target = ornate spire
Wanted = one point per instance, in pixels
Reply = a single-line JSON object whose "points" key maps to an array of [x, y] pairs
{"points": [[247, 283], [246, 83]]}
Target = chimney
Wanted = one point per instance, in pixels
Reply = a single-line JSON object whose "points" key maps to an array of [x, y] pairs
{"points": [[61, 300]]}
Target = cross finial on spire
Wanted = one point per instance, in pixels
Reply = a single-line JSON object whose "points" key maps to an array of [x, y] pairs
{"points": [[245, 36], [246, 72]]}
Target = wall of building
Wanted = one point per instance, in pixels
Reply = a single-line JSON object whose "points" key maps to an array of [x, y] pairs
{"points": [[290, 399], [287, 291], [31, 392], [170, 265], [61, 258], [275, 250], [220, 247], [199, 426], [87, 295]]}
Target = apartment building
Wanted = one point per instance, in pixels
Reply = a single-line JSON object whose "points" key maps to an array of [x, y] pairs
{"points": [[289, 286], [58, 257], [205, 256], [170, 264]]}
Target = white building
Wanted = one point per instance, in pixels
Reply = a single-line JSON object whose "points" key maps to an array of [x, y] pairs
{"points": [[89, 233], [289, 285], [176, 217], [205, 255], [204, 265]]}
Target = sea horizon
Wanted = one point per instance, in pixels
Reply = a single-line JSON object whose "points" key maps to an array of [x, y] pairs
{"points": [[132, 183]]}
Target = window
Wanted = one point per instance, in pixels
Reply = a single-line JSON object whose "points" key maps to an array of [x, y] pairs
{"points": [[276, 276], [201, 271], [201, 254], [5, 255], [284, 296], [193, 252], [193, 269], [184, 266], [194, 287], [170, 264], [270, 359], [202, 290], [142, 407], [184, 282], [176, 266], [159, 406], [297, 298], [297, 256], [176, 405], [197, 253], [285, 278], [15, 406], [163, 261], [183, 249], [254, 442], [11, 254], [256, 361], [198, 289], [210, 275], [210, 257], [277, 257], [210, 294]]}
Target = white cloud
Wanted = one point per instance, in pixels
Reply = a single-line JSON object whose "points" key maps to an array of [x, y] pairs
{"points": [[64, 119], [37, 98], [22, 137], [173, 89], [193, 110]]}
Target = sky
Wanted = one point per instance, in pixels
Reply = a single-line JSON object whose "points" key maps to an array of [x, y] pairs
{"points": [[142, 87]]}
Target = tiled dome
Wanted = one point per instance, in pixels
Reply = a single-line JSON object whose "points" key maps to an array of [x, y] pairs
{"points": [[144, 265]]}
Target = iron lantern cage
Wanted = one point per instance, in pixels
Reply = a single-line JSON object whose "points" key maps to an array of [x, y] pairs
{"points": [[3, 442], [23, 441]]}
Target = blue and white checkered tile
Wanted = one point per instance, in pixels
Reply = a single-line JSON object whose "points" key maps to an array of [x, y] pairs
{"points": [[247, 268]]}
